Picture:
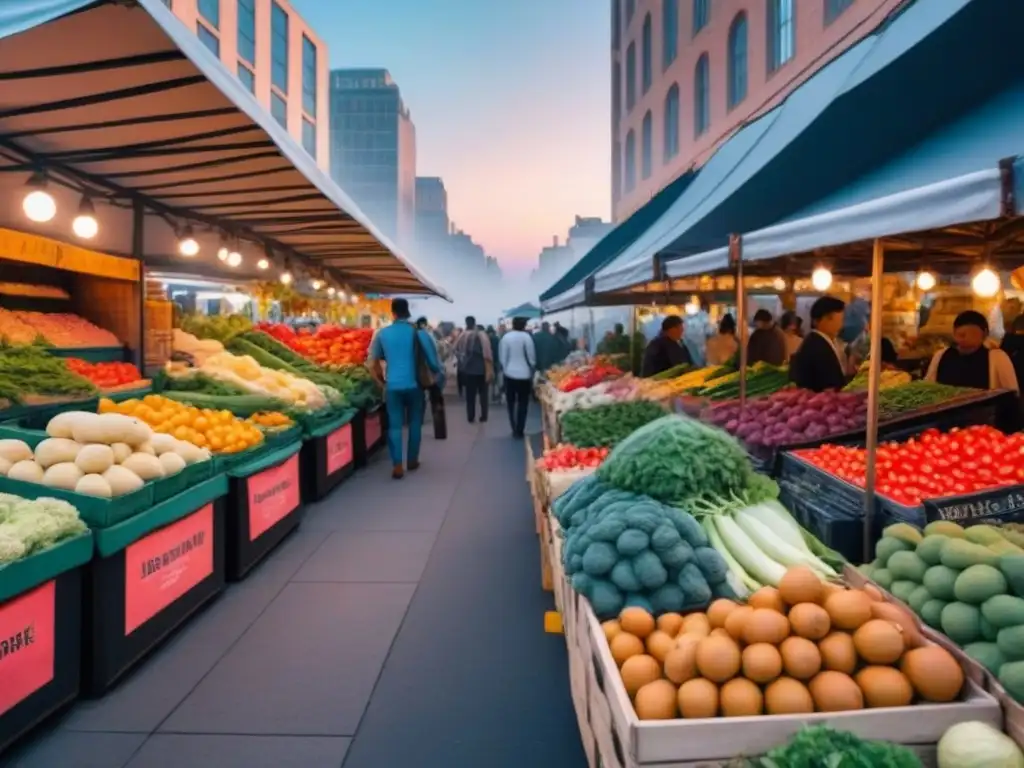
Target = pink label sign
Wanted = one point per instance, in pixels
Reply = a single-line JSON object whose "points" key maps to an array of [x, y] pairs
{"points": [[372, 429], [27, 634], [339, 449], [273, 494], [165, 565]]}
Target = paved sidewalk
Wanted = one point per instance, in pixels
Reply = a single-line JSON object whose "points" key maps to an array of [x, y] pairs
{"points": [[402, 625]]}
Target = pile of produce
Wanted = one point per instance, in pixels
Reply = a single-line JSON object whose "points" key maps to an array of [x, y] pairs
{"points": [[917, 395], [762, 379], [217, 431], [967, 583], [105, 375], [574, 363], [66, 330], [623, 549], [606, 425], [271, 420], [565, 457], [330, 345], [220, 328], [805, 647], [246, 373], [31, 370], [14, 330], [588, 376], [30, 526], [192, 349], [932, 466], [103, 455], [618, 390], [975, 744], [887, 379], [822, 746]]}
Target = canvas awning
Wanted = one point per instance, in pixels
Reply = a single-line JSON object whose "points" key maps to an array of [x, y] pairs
{"points": [[853, 114], [120, 99]]}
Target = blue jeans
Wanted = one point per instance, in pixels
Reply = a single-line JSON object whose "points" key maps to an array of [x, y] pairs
{"points": [[405, 406]]}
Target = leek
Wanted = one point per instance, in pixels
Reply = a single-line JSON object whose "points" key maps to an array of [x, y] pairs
{"points": [[755, 562], [777, 518], [777, 548], [746, 583]]}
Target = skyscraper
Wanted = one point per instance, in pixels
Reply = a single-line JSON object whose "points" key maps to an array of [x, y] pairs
{"points": [[274, 53], [373, 149], [432, 222]]}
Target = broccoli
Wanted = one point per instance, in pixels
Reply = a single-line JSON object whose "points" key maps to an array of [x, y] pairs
{"points": [[637, 600], [698, 593], [608, 529], [624, 577], [599, 558], [665, 538], [678, 556], [11, 549], [711, 564], [632, 542], [605, 598], [649, 570], [668, 598]]}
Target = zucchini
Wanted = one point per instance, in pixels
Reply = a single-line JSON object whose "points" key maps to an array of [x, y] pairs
{"points": [[279, 350], [240, 405]]}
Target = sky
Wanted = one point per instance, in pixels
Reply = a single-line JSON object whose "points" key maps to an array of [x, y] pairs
{"points": [[511, 103]]}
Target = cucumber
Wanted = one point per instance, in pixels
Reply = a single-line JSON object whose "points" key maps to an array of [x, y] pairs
{"points": [[279, 350], [240, 405], [240, 346]]}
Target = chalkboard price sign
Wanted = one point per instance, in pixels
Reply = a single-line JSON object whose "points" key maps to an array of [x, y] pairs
{"points": [[1000, 505]]}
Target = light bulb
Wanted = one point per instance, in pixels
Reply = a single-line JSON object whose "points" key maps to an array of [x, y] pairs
{"points": [[330, 290], [234, 259], [317, 285], [341, 295], [926, 280], [986, 283], [286, 277], [222, 253], [188, 245], [263, 264], [779, 284], [39, 206], [821, 278], [85, 226]]}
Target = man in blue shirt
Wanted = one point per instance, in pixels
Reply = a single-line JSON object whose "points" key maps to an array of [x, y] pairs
{"points": [[396, 347]]}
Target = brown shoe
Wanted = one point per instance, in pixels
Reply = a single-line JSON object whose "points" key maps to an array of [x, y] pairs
{"points": [[397, 473], [413, 466]]}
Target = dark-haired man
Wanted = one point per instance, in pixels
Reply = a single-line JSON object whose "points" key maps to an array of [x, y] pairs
{"points": [[766, 344], [666, 350], [476, 364], [396, 346], [818, 365]]}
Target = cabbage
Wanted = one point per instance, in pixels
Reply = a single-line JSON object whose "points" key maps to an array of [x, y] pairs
{"points": [[978, 745]]}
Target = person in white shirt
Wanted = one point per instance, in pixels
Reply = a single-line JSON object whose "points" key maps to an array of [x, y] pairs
{"points": [[518, 361], [970, 363], [722, 347]]}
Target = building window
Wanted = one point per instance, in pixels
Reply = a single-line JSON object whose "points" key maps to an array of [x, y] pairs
{"points": [[701, 14], [780, 33], [701, 97], [309, 137], [616, 92], [208, 38], [737, 88], [669, 32], [279, 48], [616, 24], [247, 30], [308, 76], [616, 170], [647, 54], [279, 109], [672, 123], [630, 77], [630, 10], [834, 9], [630, 182], [247, 77], [210, 11], [647, 136]]}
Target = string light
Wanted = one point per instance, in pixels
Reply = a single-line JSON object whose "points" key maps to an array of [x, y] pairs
{"points": [[85, 224], [286, 277], [39, 205], [821, 278], [986, 283], [926, 280], [187, 243], [234, 259], [263, 264]]}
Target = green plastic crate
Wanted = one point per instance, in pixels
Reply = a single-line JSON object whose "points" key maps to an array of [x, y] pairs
{"points": [[91, 354], [96, 512], [190, 476], [22, 575]]}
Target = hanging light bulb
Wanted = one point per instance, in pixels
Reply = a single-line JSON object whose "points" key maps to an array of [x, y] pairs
{"points": [[317, 285], [926, 280], [330, 290], [39, 205], [263, 264], [341, 295], [234, 259], [85, 224], [779, 284], [187, 243], [286, 277], [224, 251], [986, 283], [821, 278]]}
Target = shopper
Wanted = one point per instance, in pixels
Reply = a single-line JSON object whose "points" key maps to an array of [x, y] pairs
{"points": [[434, 393], [518, 360], [790, 325], [666, 350], [722, 347], [396, 347], [476, 365], [970, 363], [819, 365], [495, 391], [767, 343]]}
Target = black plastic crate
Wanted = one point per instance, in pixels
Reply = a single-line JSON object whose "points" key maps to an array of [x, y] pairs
{"points": [[327, 461]]}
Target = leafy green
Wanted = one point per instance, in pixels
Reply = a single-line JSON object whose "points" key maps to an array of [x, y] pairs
{"points": [[31, 369], [607, 425], [823, 747]]}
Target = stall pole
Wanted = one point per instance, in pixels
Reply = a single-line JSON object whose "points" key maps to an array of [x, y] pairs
{"points": [[138, 252], [736, 256], [632, 340], [874, 384]]}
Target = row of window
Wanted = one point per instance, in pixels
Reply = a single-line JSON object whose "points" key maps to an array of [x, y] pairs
{"points": [[208, 32], [781, 47]]}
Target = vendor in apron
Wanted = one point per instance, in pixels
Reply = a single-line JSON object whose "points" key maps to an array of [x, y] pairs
{"points": [[970, 363]]}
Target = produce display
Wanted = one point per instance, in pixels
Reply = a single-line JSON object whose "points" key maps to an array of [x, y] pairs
{"points": [[246, 373], [220, 328], [762, 379], [606, 425], [977, 745], [807, 646], [967, 583], [588, 376], [917, 395], [330, 345], [823, 746], [192, 349], [30, 526], [271, 420], [105, 375], [887, 379], [212, 430], [564, 457], [67, 330], [103, 455], [931, 466], [619, 390], [14, 330], [30, 370]]}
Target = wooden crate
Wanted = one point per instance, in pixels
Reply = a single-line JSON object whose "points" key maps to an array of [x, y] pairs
{"points": [[546, 581]]}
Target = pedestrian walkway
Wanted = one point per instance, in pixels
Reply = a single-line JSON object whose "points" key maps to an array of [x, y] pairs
{"points": [[402, 625]]}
